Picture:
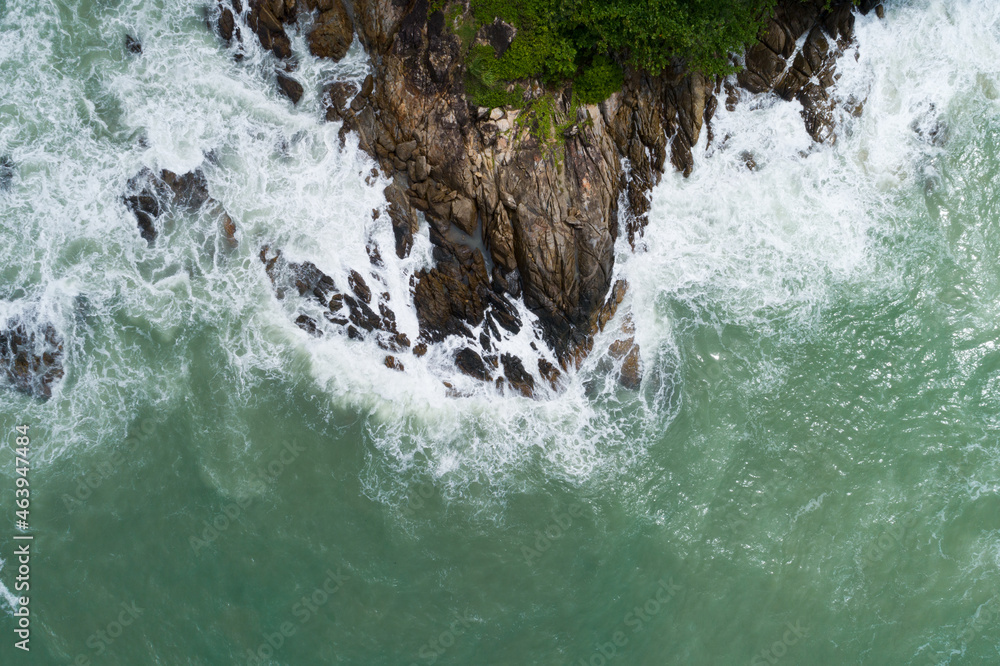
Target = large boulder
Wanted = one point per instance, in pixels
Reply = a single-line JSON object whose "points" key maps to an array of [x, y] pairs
{"points": [[332, 33]]}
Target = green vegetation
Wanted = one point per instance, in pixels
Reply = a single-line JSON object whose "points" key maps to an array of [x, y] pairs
{"points": [[586, 42]]}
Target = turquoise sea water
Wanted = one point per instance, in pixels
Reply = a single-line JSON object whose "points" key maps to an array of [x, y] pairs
{"points": [[808, 475]]}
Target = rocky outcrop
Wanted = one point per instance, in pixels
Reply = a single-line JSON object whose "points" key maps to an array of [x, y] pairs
{"points": [[149, 195], [330, 37], [541, 191], [31, 357], [351, 310]]}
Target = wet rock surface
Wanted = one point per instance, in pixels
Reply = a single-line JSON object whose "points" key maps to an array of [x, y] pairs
{"points": [[546, 210], [133, 45], [289, 87], [31, 357], [149, 195], [343, 310], [333, 31], [7, 171], [330, 37]]}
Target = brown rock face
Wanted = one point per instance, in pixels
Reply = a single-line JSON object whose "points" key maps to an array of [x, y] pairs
{"points": [[31, 360], [149, 195], [333, 33], [548, 212], [545, 208], [291, 88]]}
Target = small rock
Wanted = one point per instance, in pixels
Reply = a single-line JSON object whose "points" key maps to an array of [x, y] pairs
{"points": [[359, 286], [31, 359], [190, 190], [307, 324], [418, 169], [517, 376], [7, 170], [471, 364], [133, 45], [420, 349], [631, 372], [368, 86], [291, 88], [880, 11], [227, 24], [393, 363], [548, 372], [499, 35], [229, 229]]}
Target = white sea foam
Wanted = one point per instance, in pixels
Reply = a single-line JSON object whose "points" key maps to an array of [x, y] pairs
{"points": [[733, 246]]}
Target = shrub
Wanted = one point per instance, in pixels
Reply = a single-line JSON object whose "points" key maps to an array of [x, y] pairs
{"points": [[587, 41]]}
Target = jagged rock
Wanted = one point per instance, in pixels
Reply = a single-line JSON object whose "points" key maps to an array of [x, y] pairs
{"points": [[31, 359], [307, 324], [333, 32], [7, 170], [190, 189], [265, 19], [359, 287], [627, 351], [227, 24], [393, 363], [471, 364], [499, 35], [517, 376], [548, 372], [337, 99], [144, 204], [548, 211], [147, 194], [291, 88], [611, 306], [450, 298], [132, 45], [228, 229]]}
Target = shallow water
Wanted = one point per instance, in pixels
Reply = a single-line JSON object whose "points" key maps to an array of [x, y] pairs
{"points": [[808, 474]]}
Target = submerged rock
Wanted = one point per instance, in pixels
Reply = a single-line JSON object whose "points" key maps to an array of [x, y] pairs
{"points": [[31, 357], [7, 170], [133, 45]]}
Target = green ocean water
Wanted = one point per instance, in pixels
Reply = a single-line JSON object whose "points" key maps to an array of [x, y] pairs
{"points": [[810, 473]]}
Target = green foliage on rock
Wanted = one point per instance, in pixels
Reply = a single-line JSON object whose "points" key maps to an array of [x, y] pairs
{"points": [[586, 42]]}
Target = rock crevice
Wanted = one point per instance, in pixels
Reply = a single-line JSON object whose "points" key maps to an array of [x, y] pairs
{"points": [[544, 193]]}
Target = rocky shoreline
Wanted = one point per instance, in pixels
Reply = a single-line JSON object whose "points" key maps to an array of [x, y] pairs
{"points": [[541, 195], [544, 200]]}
